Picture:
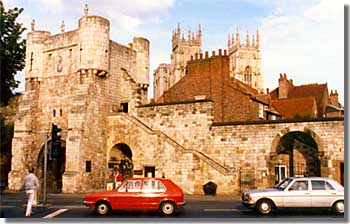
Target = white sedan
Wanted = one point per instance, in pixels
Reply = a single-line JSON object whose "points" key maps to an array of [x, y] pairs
{"points": [[297, 192]]}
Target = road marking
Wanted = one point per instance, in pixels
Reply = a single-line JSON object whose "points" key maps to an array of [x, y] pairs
{"points": [[221, 209], [56, 213]]}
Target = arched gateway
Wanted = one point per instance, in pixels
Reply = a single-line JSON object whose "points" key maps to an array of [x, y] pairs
{"points": [[295, 153], [120, 158], [55, 168]]}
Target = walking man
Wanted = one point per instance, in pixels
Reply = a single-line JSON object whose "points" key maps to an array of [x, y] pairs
{"points": [[31, 186]]}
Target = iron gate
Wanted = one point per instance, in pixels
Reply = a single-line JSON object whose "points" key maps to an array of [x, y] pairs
{"points": [[247, 179]]}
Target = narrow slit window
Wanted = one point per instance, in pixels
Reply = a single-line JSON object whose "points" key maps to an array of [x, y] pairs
{"points": [[88, 166]]}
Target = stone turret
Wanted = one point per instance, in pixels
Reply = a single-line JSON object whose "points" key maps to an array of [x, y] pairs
{"points": [[141, 46], [35, 46], [94, 45]]}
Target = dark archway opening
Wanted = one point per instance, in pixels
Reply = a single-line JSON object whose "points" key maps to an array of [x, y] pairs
{"points": [[297, 155], [55, 169], [120, 159]]}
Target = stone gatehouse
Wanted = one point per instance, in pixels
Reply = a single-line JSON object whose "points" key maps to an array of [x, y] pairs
{"points": [[96, 90]]}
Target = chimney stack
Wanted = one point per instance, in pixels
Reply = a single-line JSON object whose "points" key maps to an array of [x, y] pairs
{"points": [[333, 98], [283, 86]]}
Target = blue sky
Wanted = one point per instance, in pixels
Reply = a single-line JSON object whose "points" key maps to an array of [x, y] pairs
{"points": [[302, 38]]}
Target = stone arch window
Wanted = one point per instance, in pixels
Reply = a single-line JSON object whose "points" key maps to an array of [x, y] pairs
{"points": [[248, 75], [61, 112], [54, 112]]}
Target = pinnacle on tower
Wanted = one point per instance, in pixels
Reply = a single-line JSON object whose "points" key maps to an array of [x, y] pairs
{"points": [[229, 42], [62, 26], [199, 35], [86, 10], [247, 41], [237, 39], [189, 33], [233, 40], [33, 25], [253, 41], [257, 39]]}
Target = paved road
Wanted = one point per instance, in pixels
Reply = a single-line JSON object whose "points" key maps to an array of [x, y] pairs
{"points": [[198, 207]]}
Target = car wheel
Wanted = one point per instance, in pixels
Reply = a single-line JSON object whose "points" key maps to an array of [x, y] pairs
{"points": [[167, 208], [338, 207], [264, 207], [103, 208]]}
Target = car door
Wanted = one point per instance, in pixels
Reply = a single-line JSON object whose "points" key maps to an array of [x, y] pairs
{"points": [[128, 195], [322, 193], [296, 195], [153, 192]]}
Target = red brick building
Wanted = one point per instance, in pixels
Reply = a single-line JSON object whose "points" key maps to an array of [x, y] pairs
{"points": [[312, 100], [209, 78]]}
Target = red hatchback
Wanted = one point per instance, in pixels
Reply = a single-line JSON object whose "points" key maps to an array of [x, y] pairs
{"points": [[138, 194]]}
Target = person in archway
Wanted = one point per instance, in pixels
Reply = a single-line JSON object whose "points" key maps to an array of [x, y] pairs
{"points": [[31, 186], [118, 178]]}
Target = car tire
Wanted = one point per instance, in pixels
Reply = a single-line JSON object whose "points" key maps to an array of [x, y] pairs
{"points": [[167, 208], [338, 207], [103, 208], [264, 207]]}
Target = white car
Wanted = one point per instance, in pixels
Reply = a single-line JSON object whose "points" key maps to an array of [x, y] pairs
{"points": [[297, 192]]}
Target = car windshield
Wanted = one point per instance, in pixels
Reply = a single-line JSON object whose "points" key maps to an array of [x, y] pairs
{"points": [[282, 185]]}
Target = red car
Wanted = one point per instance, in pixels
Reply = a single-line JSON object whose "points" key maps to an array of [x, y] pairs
{"points": [[138, 194]]}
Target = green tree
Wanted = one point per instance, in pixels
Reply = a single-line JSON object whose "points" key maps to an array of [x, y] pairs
{"points": [[6, 135], [12, 51]]}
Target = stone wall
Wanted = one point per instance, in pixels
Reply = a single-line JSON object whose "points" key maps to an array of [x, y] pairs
{"points": [[240, 146]]}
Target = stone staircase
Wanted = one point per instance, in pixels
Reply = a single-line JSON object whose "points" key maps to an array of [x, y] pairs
{"points": [[214, 164]]}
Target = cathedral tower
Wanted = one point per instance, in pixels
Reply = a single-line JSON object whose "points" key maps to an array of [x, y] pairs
{"points": [[245, 60], [182, 50]]}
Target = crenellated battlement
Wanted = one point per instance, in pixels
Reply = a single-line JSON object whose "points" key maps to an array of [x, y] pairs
{"points": [[234, 42], [193, 39]]}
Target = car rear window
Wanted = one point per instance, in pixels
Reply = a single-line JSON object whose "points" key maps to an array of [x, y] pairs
{"points": [[153, 186], [321, 185]]}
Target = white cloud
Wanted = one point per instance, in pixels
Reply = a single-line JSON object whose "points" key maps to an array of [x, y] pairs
{"points": [[307, 44]]}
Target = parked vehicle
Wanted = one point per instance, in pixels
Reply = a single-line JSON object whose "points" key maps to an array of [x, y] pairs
{"points": [[297, 192], [138, 194]]}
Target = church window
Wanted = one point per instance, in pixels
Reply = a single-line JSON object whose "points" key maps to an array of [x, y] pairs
{"points": [[61, 112], [54, 112]]}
